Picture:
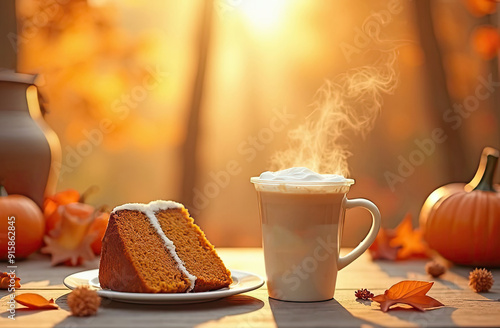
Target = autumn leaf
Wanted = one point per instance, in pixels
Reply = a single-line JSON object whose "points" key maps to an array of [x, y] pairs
{"points": [[410, 242], [408, 292], [36, 302], [74, 230], [400, 243], [65, 197], [70, 242], [6, 280], [51, 205], [381, 248]]}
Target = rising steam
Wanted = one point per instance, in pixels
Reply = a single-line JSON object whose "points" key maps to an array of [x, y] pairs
{"points": [[350, 102]]}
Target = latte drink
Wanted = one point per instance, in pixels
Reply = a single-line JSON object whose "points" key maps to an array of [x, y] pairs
{"points": [[302, 215]]}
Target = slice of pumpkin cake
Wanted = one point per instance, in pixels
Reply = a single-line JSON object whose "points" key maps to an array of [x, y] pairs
{"points": [[157, 248]]}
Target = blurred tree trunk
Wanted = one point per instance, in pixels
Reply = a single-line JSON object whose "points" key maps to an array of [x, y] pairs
{"points": [[190, 147], [440, 100], [8, 35]]}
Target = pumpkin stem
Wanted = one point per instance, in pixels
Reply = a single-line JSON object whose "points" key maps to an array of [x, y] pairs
{"points": [[483, 180], [3, 192]]}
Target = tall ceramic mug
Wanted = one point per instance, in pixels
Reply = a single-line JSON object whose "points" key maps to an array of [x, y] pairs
{"points": [[302, 222]]}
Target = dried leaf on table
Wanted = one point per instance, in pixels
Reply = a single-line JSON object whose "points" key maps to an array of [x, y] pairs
{"points": [[408, 292], [400, 243], [410, 241], [36, 302], [381, 248], [6, 280]]}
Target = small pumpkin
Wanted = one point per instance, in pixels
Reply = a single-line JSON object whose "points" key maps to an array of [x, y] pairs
{"points": [[21, 223], [462, 221]]}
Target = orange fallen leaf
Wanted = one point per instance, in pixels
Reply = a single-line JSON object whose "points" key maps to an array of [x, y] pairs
{"points": [[400, 243], [70, 242], [381, 248], [65, 197], [410, 292], [6, 281], [52, 203], [36, 302], [410, 241], [73, 228]]}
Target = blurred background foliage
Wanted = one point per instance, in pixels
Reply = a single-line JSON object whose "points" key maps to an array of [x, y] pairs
{"points": [[169, 99]]}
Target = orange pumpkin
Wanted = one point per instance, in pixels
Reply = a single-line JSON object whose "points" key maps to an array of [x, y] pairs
{"points": [[21, 226], [462, 221]]}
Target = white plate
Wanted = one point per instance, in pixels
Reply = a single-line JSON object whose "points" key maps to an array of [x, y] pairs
{"points": [[242, 282]]}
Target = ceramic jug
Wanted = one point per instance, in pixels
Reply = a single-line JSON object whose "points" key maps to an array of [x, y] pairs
{"points": [[30, 152]]}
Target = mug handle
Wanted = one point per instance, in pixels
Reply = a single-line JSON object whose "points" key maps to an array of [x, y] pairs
{"points": [[370, 237]]}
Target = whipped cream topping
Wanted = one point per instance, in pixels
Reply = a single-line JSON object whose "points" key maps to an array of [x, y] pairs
{"points": [[150, 210], [301, 180], [300, 174]]}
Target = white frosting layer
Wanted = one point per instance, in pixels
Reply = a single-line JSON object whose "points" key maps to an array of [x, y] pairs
{"points": [[150, 210], [154, 206], [300, 174]]}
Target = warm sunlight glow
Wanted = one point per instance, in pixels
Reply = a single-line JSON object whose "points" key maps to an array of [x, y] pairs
{"points": [[264, 15]]}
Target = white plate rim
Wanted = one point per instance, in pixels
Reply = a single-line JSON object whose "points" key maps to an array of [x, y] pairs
{"points": [[243, 282]]}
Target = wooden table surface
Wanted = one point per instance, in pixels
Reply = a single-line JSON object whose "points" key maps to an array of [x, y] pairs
{"points": [[255, 309]]}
